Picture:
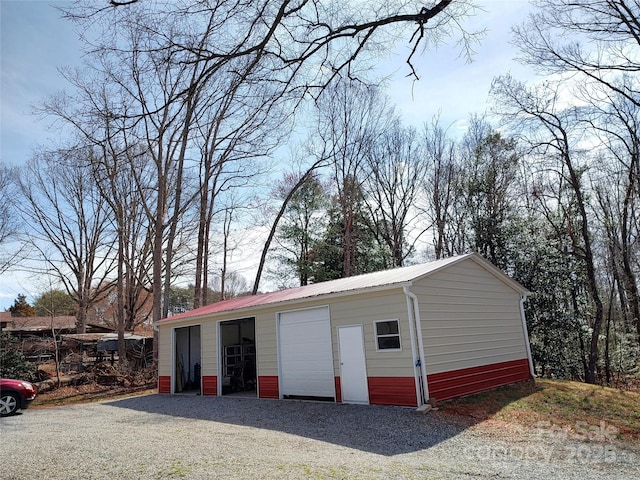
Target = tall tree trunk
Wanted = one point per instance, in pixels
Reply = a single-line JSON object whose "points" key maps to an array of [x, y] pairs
{"points": [[591, 373], [158, 230], [202, 249], [630, 283], [228, 214], [81, 316], [274, 226], [347, 240], [607, 357], [120, 316]]}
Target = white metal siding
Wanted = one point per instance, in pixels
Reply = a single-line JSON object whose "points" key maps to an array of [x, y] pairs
{"points": [[306, 359], [365, 309], [165, 350], [266, 343], [469, 318], [209, 349]]}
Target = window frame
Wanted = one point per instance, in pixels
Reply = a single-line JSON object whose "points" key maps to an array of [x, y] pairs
{"points": [[389, 335]]}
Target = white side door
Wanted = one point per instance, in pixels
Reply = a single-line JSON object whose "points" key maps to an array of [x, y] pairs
{"points": [[353, 367]]}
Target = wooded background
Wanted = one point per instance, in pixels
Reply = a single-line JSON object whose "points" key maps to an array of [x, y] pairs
{"points": [[198, 128]]}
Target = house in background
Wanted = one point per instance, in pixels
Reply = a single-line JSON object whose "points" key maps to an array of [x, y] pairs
{"points": [[100, 340], [24, 327], [399, 337]]}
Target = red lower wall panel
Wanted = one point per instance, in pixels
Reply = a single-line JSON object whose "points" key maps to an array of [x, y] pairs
{"points": [[400, 390], [164, 384], [268, 386], [338, 390], [209, 385], [466, 381], [392, 391]]}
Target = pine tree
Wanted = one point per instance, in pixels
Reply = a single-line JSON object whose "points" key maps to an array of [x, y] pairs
{"points": [[21, 308]]}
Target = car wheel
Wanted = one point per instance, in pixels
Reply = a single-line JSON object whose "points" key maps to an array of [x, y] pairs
{"points": [[8, 404]]}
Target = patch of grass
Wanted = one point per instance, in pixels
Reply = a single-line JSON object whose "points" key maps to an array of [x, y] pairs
{"points": [[564, 404], [176, 470], [308, 471]]}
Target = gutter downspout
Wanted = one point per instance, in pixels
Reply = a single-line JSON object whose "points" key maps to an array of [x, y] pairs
{"points": [[418, 334], [526, 336]]}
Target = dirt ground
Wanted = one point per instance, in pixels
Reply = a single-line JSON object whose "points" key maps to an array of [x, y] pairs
{"points": [[91, 392], [95, 383]]}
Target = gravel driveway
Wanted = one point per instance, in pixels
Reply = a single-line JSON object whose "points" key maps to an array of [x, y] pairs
{"points": [[194, 437]]}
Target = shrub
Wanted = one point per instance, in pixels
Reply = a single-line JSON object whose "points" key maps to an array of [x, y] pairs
{"points": [[12, 362]]}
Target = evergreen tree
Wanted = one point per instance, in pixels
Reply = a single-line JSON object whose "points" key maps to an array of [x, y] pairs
{"points": [[56, 303], [301, 228], [367, 255], [21, 308], [557, 310]]}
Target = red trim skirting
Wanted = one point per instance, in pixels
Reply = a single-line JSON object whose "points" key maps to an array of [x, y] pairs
{"points": [[466, 381], [268, 386], [392, 391], [338, 390], [164, 384], [209, 385]]}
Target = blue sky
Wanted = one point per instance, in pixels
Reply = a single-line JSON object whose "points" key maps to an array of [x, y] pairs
{"points": [[35, 42]]}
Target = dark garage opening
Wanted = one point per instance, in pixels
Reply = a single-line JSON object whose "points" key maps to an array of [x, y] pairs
{"points": [[188, 360], [238, 357]]}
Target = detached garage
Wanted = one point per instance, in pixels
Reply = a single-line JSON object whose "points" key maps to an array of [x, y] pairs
{"points": [[399, 337]]}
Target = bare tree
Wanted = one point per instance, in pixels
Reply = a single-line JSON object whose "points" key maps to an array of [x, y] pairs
{"points": [[162, 59], [111, 166], [616, 123], [395, 171], [350, 118], [612, 219], [591, 49], [605, 37], [10, 248], [234, 139], [226, 250], [235, 285], [144, 98], [304, 43], [8, 222], [551, 131], [66, 214], [443, 189]]}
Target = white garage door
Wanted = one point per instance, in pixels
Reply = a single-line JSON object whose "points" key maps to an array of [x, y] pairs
{"points": [[306, 358]]}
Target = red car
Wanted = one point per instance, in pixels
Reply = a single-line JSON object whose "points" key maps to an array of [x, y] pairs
{"points": [[14, 395]]}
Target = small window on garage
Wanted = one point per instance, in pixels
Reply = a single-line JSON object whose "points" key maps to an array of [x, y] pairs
{"points": [[387, 335]]}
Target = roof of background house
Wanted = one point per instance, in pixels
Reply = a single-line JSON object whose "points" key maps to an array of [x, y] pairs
{"points": [[377, 280], [38, 323], [43, 324], [94, 337]]}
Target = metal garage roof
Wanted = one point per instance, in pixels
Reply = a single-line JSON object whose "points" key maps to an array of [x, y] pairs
{"points": [[386, 278]]}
